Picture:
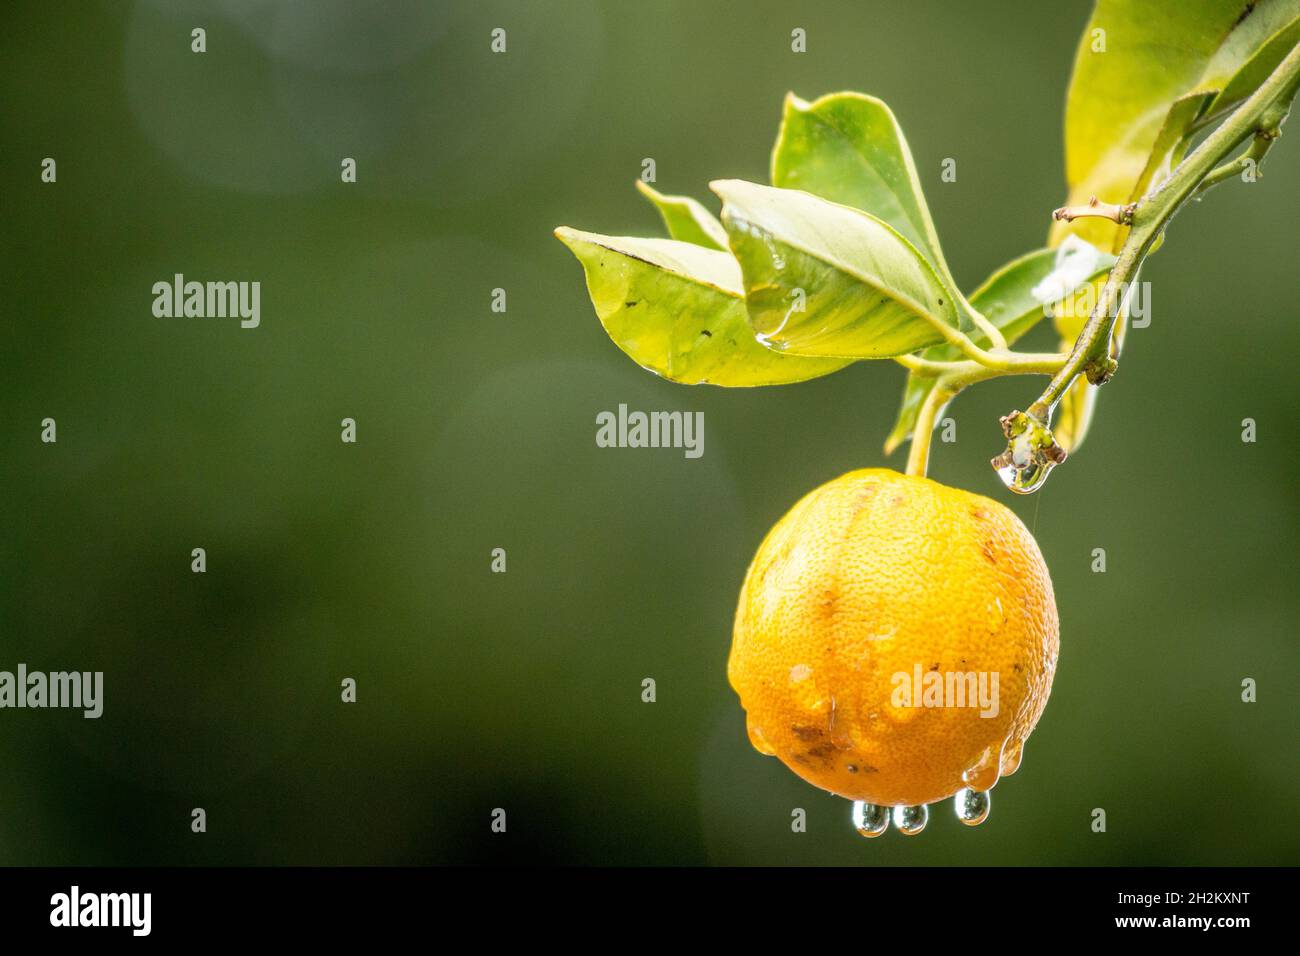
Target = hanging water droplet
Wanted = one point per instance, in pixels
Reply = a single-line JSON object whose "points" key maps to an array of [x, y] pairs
{"points": [[1032, 452], [1024, 481], [911, 820], [972, 806], [1011, 758], [981, 778], [870, 819], [984, 774]]}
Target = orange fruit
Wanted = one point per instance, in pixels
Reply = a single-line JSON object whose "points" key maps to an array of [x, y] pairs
{"points": [[895, 639]]}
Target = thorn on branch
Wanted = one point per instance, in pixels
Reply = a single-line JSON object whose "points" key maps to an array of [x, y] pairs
{"points": [[1097, 209]]}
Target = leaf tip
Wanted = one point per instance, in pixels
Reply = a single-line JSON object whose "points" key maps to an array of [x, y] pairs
{"points": [[720, 187]]}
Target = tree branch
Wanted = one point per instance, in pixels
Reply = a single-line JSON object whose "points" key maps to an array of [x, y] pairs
{"points": [[1260, 113], [1097, 209]]}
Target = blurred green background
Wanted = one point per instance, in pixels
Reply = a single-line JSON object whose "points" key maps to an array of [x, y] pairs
{"points": [[476, 431]]}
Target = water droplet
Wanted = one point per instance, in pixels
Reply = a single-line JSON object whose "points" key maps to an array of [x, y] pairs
{"points": [[773, 253], [758, 741], [1024, 481], [870, 819], [1032, 452], [972, 806], [911, 820], [984, 773], [981, 778], [1011, 757], [837, 733]]}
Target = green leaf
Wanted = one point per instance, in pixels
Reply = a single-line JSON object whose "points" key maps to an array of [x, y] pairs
{"points": [[849, 148], [1015, 298], [686, 219], [1252, 51], [677, 309], [1132, 108], [825, 279]]}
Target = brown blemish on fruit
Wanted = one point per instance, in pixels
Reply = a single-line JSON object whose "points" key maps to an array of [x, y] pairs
{"points": [[806, 733], [823, 754], [987, 548]]}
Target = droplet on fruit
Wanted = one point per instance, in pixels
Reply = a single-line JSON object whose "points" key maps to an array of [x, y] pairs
{"points": [[1011, 757], [836, 732], [911, 820], [870, 819], [758, 741], [984, 774], [972, 806]]}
